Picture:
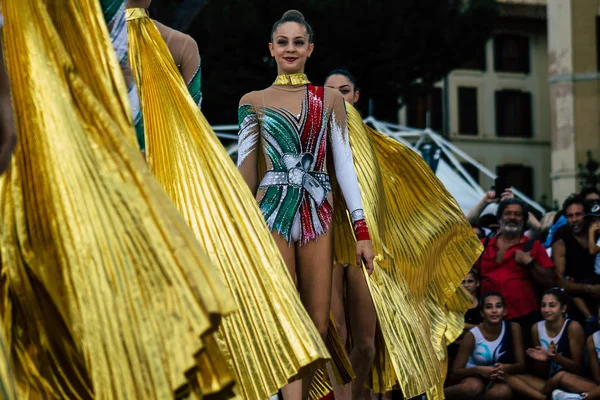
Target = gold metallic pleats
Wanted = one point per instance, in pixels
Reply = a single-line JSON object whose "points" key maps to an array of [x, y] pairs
{"points": [[7, 377], [105, 291], [271, 339], [424, 248]]}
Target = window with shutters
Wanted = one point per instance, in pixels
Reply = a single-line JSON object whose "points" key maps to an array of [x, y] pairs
{"points": [[417, 107], [468, 122], [478, 62], [513, 114], [518, 176], [511, 53]]}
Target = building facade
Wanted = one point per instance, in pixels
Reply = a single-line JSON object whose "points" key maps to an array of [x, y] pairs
{"points": [[496, 108], [574, 81]]}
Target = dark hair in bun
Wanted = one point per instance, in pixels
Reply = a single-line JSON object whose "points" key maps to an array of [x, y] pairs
{"points": [[344, 72], [292, 13], [293, 16]]}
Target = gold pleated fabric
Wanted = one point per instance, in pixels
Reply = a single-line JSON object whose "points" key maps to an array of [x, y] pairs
{"points": [[106, 293], [424, 248], [271, 339], [7, 377]]}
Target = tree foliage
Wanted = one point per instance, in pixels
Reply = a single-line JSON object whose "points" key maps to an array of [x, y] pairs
{"points": [[391, 46]]}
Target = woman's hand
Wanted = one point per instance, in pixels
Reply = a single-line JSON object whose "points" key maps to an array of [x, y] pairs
{"points": [[539, 353], [485, 372], [551, 350], [497, 373], [364, 252]]}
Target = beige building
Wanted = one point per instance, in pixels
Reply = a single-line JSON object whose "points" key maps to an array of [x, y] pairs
{"points": [[574, 80], [527, 106]]}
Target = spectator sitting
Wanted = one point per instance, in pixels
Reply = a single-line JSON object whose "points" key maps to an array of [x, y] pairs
{"points": [[478, 230], [573, 383], [558, 353], [488, 353], [546, 223], [488, 223], [575, 264], [512, 265], [473, 314], [594, 235], [590, 194]]}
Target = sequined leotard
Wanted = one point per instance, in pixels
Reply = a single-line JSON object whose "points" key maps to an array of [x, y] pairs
{"points": [[294, 125]]}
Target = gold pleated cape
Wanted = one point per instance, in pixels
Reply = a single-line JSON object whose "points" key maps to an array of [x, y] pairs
{"points": [[105, 291], [8, 390], [424, 248], [271, 339]]}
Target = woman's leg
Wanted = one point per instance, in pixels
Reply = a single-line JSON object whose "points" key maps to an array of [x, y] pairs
{"points": [[469, 388], [363, 322], [593, 394], [575, 384], [553, 383], [526, 385], [314, 264], [341, 392], [292, 391], [498, 391]]}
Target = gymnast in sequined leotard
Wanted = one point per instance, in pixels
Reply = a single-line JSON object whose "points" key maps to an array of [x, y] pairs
{"points": [[298, 132]]}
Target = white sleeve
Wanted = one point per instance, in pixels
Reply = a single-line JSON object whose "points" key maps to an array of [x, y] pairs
{"points": [[343, 162]]}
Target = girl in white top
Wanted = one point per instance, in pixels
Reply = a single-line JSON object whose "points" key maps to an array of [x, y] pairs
{"points": [[577, 384], [558, 357], [488, 353]]}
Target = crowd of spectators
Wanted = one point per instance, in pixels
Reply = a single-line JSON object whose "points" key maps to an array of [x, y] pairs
{"points": [[532, 331]]}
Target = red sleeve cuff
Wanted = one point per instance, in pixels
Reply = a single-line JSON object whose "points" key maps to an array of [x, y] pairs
{"points": [[360, 230]]}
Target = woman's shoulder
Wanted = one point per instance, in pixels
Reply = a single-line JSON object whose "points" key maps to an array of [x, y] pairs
{"points": [[574, 326], [332, 94], [514, 327], [250, 98]]}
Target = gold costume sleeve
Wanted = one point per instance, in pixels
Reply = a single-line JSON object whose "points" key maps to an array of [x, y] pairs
{"points": [[424, 248], [106, 292], [271, 340]]}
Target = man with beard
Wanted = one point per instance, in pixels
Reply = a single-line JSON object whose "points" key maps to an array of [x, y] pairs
{"points": [[512, 265], [574, 263]]}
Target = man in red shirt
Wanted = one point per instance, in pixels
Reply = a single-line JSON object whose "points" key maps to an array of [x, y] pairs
{"points": [[513, 266]]}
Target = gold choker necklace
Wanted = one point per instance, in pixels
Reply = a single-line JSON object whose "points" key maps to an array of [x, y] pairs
{"points": [[291, 80], [136, 13]]}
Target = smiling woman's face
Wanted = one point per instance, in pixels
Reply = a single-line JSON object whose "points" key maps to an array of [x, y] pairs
{"points": [[290, 48]]}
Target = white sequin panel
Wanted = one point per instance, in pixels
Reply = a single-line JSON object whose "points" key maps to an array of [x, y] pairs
{"points": [[247, 137]]}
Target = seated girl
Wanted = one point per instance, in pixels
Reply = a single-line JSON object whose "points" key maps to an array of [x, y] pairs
{"points": [[558, 357], [488, 353], [473, 314], [582, 388]]}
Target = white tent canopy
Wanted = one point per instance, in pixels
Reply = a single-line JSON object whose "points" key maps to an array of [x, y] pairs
{"points": [[449, 169]]}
